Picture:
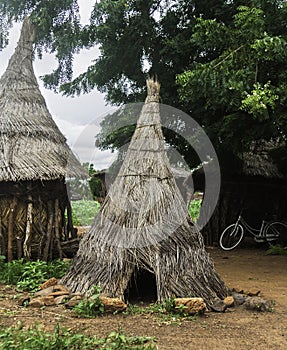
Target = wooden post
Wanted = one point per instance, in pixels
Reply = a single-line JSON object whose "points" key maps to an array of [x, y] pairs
{"points": [[49, 230], [10, 229], [19, 247], [71, 232], [57, 231], [2, 239], [42, 231], [26, 244]]}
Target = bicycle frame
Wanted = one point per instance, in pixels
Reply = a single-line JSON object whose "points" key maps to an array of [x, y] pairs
{"points": [[253, 231], [269, 231]]}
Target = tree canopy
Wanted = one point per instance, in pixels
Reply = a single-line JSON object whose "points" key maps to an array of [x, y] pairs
{"points": [[221, 61]]}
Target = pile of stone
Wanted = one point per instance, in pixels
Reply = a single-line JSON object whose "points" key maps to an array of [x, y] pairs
{"points": [[250, 299], [51, 294]]}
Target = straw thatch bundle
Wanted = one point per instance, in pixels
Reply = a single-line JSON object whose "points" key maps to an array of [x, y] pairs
{"points": [[34, 160], [144, 223], [31, 145]]}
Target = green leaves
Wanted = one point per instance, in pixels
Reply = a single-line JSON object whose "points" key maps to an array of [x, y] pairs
{"points": [[29, 275], [242, 75], [19, 338], [269, 47], [210, 32], [84, 211], [249, 23], [213, 60], [90, 306], [259, 101]]}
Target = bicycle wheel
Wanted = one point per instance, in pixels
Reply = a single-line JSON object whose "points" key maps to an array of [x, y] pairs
{"points": [[231, 237], [277, 231]]}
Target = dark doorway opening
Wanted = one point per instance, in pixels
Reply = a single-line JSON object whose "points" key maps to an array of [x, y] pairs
{"points": [[141, 287]]}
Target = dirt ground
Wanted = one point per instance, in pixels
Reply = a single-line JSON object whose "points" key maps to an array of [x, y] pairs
{"points": [[237, 328]]}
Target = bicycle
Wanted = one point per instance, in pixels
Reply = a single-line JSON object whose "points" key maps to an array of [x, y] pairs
{"points": [[268, 232]]}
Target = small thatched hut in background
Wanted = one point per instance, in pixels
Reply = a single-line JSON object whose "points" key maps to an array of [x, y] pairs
{"points": [[34, 161], [143, 229], [256, 184]]}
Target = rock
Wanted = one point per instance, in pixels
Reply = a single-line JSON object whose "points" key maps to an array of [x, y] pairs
{"points": [[191, 306], [58, 288], [218, 306], [44, 292], [51, 282], [73, 301], [37, 302], [253, 292], [58, 293], [49, 301], [229, 301], [42, 301], [237, 289], [76, 294], [113, 304], [258, 304], [60, 299], [239, 299], [23, 300], [62, 288]]}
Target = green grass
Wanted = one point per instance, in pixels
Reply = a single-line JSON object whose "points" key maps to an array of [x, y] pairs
{"points": [[29, 275], [166, 311], [17, 338], [84, 212], [276, 249], [194, 209]]}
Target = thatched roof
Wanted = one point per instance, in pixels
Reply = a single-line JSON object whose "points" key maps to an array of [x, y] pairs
{"points": [[144, 223], [31, 145]]}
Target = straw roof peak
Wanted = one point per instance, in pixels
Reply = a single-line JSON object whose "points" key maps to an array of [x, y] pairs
{"points": [[153, 88], [20, 64], [31, 145]]}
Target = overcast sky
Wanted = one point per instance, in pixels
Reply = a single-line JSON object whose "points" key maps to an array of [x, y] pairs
{"points": [[77, 117]]}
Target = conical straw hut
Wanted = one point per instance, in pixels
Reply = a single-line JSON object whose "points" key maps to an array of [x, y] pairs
{"points": [[34, 161], [144, 225]]}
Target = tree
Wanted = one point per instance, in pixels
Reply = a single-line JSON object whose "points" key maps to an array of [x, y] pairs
{"points": [[240, 94], [223, 62]]}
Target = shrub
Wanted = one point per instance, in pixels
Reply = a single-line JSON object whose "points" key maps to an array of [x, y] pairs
{"points": [[276, 249], [17, 338], [194, 209], [84, 212], [90, 306], [29, 275]]}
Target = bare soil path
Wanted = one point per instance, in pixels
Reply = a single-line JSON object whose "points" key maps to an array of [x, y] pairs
{"points": [[237, 328]]}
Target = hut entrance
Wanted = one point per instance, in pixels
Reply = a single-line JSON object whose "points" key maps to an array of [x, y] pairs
{"points": [[141, 287]]}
